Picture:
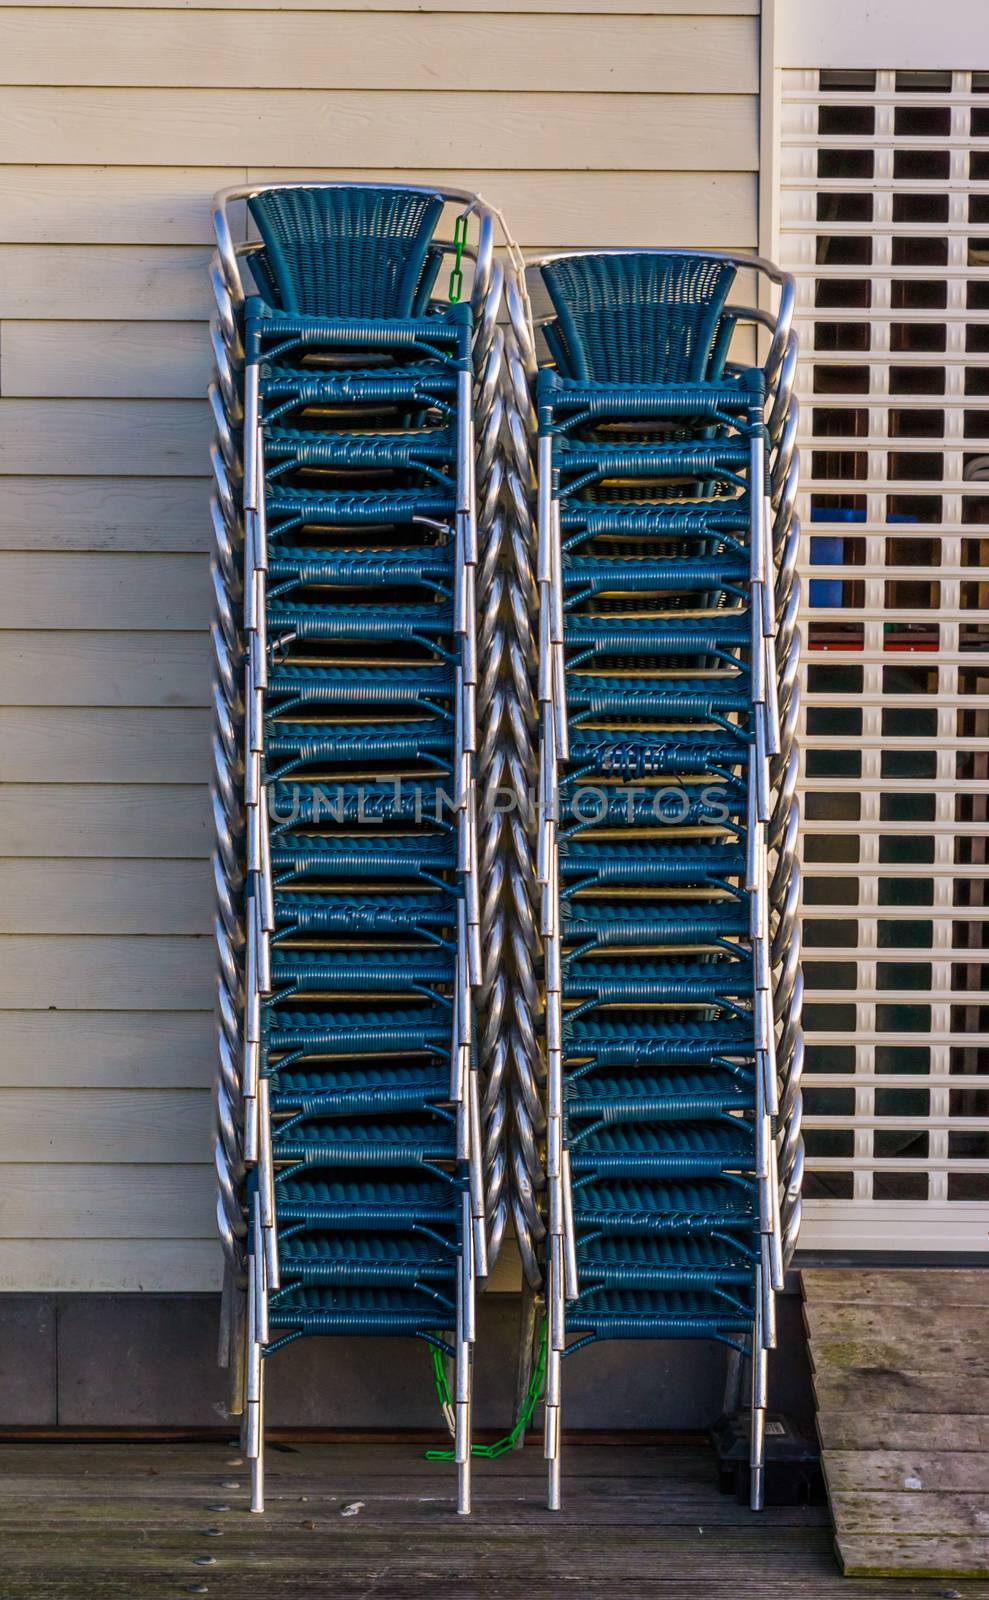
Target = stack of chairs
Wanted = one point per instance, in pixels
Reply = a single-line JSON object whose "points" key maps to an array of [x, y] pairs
{"points": [[659, 725], [360, 1082]]}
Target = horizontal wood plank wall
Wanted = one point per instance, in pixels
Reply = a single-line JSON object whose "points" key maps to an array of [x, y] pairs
{"points": [[589, 121]]}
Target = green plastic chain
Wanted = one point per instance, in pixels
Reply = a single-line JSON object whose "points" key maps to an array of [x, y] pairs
{"points": [[459, 242], [500, 1447]]}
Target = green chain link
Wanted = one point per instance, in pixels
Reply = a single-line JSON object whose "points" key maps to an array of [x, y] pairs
{"points": [[459, 242], [501, 1447]]}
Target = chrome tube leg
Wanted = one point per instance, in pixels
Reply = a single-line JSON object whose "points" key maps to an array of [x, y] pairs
{"points": [[551, 1448], [479, 1240], [556, 1321], [569, 1231], [257, 1461], [462, 1379], [254, 1420], [757, 1437]]}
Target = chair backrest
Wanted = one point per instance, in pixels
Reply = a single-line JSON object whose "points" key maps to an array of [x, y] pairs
{"points": [[635, 317], [257, 260], [346, 252]]}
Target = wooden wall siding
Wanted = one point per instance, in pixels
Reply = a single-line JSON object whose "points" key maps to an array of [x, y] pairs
{"points": [[588, 122]]}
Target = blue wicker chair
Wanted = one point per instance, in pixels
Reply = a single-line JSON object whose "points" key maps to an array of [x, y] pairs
{"points": [[656, 731], [366, 1204]]}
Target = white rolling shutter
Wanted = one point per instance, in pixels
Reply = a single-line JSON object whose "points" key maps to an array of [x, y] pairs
{"points": [[885, 221]]}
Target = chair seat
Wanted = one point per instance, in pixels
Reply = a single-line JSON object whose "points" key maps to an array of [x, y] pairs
{"points": [[613, 863], [683, 1149], [367, 1312], [645, 636], [589, 575], [369, 803], [370, 972], [679, 1044], [289, 509], [284, 389], [587, 519], [294, 688], [632, 753], [645, 1209], [297, 1036], [396, 622], [625, 1314], [271, 333], [380, 1204], [620, 1288], [651, 804], [358, 1259], [307, 744], [623, 982], [427, 565], [296, 1088], [362, 916], [357, 451], [570, 401], [607, 458], [709, 1258], [388, 1142], [609, 924], [328, 857], [414, 1091], [654, 1099]]}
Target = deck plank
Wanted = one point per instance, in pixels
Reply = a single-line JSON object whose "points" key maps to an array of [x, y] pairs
{"points": [[872, 1557], [931, 1339], [899, 1430], [909, 1286], [873, 1511], [875, 1389], [901, 1382], [930, 1471]]}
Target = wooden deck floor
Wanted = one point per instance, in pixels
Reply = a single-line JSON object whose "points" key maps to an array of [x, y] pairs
{"points": [[375, 1522], [901, 1380]]}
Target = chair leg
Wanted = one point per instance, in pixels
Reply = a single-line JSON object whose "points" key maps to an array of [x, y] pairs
{"points": [[255, 1363], [257, 1480], [463, 1374], [552, 1428], [462, 1444], [757, 1437], [555, 1342], [256, 1444]]}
